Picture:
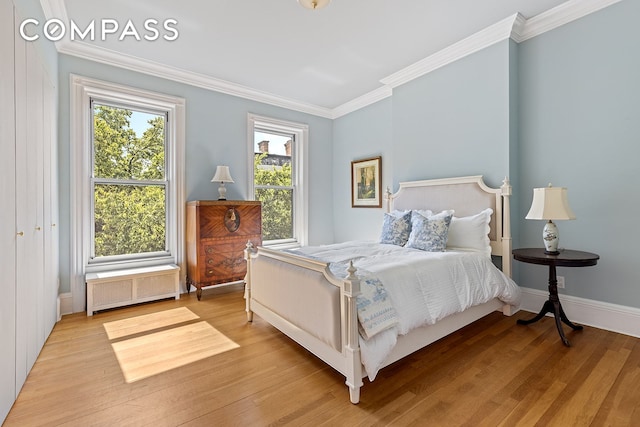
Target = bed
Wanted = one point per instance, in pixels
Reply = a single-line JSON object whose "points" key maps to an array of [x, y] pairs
{"points": [[319, 296]]}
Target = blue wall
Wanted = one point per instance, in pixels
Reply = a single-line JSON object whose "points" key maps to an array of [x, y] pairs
{"points": [[454, 121], [216, 133], [359, 135], [579, 126]]}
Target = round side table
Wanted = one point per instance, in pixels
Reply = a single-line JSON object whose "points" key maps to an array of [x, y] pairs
{"points": [[566, 258]]}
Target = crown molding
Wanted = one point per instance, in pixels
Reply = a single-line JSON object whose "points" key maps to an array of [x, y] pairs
{"points": [[362, 101], [515, 27], [560, 15], [109, 57], [474, 43]]}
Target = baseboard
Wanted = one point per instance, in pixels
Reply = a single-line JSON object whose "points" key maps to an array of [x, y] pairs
{"points": [[65, 304], [602, 315]]}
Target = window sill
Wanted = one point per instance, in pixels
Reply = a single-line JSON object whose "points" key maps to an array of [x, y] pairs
{"points": [[283, 245]]}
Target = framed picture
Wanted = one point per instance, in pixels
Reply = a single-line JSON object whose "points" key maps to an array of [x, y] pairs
{"points": [[366, 183]]}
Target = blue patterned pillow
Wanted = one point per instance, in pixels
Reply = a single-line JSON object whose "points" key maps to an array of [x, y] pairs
{"points": [[429, 233], [396, 227]]}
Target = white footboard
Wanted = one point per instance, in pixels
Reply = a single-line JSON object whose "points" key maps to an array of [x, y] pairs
{"points": [[305, 301]]}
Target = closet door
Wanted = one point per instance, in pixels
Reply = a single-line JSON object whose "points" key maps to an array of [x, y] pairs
{"points": [[50, 205], [25, 214], [8, 230], [35, 182]]}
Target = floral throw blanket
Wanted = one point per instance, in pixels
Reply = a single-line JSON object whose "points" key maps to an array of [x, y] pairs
{"points": [[375, 311]]}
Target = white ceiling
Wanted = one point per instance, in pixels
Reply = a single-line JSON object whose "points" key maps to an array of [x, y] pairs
{"points": [[322, 58]]}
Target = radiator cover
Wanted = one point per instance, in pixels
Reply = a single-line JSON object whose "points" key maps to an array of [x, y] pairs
{"points": [[117, 288]]}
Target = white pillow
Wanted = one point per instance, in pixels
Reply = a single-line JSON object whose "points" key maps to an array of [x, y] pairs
{"points": [[471, 232]]}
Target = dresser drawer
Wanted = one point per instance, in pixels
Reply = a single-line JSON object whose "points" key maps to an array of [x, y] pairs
{"points": [[238, 244], [224, 266], [229, 221]]}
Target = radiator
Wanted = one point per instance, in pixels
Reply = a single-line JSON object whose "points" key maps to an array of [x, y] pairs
{"points": [[117, 288]]}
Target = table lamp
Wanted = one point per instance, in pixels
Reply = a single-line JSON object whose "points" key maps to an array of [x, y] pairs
{"points": [[550, 203], [222, 175]]}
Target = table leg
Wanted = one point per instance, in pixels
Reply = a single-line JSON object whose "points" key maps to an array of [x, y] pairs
{"points": [[552, 305]]}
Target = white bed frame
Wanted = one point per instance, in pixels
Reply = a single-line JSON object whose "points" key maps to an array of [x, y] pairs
{"points": [[308, 283]]}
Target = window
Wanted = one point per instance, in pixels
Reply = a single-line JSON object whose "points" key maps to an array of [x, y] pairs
{"points": [[127, 180], [277, 168]]}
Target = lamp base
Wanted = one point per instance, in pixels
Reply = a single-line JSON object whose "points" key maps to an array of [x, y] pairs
{"points": [[550, 237], [222, 191]]}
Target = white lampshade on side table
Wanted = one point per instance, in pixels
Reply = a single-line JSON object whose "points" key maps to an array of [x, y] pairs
{"points": [[550, 203], [222, 175]]}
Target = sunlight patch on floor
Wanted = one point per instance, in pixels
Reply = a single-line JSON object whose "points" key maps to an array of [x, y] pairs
{"points": [[150, 353], [148, 322]]}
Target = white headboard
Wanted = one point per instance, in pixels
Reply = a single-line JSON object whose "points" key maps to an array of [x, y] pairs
{"points": [[467, 195]]}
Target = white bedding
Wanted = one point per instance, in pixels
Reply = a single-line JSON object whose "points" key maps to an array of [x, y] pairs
{"points": [[423, 287]]}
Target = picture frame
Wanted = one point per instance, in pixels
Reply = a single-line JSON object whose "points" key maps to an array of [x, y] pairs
{"points": [[366, 183]]}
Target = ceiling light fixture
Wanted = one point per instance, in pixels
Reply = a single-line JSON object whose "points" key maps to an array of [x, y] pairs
{"points": [[314, 4]]}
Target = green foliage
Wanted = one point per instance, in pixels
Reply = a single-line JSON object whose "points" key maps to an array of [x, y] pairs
{"points": [[129, 219], [277, 203]]}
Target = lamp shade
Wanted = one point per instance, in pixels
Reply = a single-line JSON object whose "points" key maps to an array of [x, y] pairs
{"points": [[222, 174], [550, 203]]}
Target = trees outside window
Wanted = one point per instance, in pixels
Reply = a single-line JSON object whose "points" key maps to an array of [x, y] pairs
{"points": [[273, 175], [278, 170], [129, 182]]}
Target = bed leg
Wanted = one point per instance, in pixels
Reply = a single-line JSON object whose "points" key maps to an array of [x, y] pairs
{"points": [[354, 394], [507, 310], [247, 280]]}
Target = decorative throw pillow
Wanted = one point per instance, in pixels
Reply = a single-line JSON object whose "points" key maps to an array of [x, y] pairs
{"points": [[471, 232], [396, 227], [424, 212], [429, 233]]}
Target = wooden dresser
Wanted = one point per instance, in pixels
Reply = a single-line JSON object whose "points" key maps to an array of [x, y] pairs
{"points": [[217, 234]]}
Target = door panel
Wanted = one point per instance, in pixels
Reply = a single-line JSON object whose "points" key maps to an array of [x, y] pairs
{"points": [[8, 230]]}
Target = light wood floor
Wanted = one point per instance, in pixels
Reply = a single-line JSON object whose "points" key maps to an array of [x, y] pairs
{"points": [[491, 373]]}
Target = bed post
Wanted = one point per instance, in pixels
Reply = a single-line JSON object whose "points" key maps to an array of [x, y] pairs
{"points": [[506, 227], [352, 348], [247, 280], [388, 196]]}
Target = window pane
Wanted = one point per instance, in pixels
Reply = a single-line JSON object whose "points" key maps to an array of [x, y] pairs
{"points": [[272, 159], [277, 209], [128, 144], [129, 219]]}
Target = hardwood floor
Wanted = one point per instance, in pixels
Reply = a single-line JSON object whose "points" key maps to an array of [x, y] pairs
{"points": [[491, 373]]}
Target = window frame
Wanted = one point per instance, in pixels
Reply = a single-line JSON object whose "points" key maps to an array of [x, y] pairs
{"points": [[83, 91], [300, 133]]}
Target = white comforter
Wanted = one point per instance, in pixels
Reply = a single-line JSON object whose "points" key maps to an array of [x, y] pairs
{"points": [[424, 287]]}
